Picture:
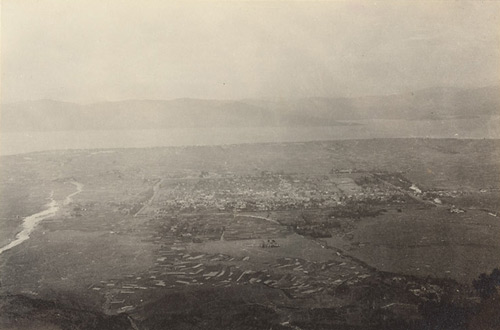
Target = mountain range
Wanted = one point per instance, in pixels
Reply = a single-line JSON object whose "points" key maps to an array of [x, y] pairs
{"points": [[428, 104]]}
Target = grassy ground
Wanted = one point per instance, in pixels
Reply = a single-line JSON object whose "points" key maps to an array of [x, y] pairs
{"points": [[432, 242], [96, 252]]}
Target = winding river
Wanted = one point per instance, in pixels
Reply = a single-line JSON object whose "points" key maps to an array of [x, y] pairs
{"points": [[30, 222]]}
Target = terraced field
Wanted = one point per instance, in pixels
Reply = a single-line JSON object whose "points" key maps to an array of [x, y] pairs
{"points": [[305, 240]]}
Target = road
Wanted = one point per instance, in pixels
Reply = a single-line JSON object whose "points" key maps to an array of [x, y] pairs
{"points": [[156, 189], [257, 217]]}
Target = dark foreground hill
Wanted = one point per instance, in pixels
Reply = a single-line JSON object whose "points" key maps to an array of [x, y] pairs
{"points": [[20, 312]]}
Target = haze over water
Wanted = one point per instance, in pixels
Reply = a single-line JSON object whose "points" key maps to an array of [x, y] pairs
{"points": [[89, 52], [24, 142]]}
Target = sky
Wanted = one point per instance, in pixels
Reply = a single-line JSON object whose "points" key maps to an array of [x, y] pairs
{"points": [[106, 50]]}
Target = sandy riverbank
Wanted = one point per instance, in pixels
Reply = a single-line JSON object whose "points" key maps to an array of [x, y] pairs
{"points": [[30, 222]]}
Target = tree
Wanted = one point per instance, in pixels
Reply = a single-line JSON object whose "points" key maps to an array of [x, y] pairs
{"points": [[486, 285]]}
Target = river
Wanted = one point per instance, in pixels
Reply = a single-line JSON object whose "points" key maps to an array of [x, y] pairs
{"points": [[79, 188], [30, 222]]}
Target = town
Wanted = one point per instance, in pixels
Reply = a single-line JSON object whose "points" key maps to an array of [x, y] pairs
{"points": [[357, 239]]}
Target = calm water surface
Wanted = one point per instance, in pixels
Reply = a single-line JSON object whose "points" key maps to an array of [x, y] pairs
{"points": [[23, 142]]}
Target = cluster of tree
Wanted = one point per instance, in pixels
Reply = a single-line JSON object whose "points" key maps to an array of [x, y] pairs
{"points": [[365, 181], [488, 285], [355, 210]]}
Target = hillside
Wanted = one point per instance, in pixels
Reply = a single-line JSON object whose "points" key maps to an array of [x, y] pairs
{"points": [[48, 115], [311, 236], [429, 104]]}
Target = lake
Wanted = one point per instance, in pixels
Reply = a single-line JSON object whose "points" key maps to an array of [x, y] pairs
{"points": [[24, 142]]}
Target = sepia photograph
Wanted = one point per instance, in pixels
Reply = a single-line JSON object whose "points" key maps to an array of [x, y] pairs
{"points": [[249, 165]]}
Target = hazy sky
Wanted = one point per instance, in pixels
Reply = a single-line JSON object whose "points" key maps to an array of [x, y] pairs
{"points": [[90, 50]]}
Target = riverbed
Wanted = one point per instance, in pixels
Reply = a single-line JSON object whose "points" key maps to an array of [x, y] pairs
{"points": [[31, 222]]}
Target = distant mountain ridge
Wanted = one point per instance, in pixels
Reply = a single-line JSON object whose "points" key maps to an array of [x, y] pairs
{"points": [[429, 104]]}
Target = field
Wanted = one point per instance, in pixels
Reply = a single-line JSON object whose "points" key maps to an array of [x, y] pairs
{"points": [[359, 234]]}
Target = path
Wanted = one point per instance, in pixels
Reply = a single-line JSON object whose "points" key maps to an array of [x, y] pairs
{"points": [[257, 217], [156, 189]]}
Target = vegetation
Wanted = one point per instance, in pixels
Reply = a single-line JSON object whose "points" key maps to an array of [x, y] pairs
{"points": [[350, 249], [488, 285]]}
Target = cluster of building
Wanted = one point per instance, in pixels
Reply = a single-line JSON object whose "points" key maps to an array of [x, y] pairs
{"points": [[268, 192]]}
